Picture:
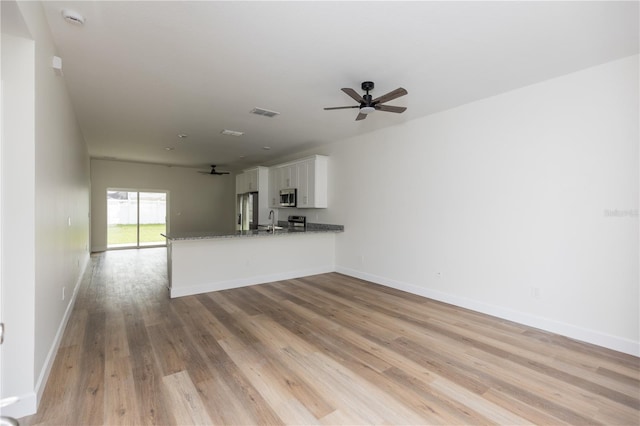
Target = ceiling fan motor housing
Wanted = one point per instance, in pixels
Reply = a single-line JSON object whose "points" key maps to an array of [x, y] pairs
{"points": [[365, 106], [367, 85]]}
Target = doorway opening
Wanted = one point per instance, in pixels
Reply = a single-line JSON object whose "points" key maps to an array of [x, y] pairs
{"points": [[136, 219]]}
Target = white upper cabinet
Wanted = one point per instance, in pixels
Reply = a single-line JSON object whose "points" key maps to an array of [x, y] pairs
{"points": [[240, 183], [308, 176], [274, 187], [253, 180], [288, 176], [312, 182]]}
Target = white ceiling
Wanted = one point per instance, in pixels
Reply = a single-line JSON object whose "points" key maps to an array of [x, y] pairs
{"points": [[140, 73]]}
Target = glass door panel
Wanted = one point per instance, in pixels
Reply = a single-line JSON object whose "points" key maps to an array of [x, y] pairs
{"points": [[152, 223], [122, 219], [136, 219]]}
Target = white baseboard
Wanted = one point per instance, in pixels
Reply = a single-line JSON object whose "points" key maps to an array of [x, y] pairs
{"points": [[243, 282], [53, 350], [615, 343], [26, 405]]}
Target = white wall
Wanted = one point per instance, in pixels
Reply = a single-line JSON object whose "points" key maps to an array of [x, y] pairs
{"points": [[45, 186], [197, 202], [18, 240], [506, 197]]}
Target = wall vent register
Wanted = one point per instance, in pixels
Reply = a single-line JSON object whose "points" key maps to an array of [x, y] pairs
{"points": [[264, 112]]}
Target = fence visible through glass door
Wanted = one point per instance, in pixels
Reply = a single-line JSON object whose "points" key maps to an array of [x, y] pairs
{"points": [[135, 218]]}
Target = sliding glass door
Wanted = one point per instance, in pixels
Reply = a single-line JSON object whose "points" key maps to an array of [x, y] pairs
{"points": [[136, 219]]}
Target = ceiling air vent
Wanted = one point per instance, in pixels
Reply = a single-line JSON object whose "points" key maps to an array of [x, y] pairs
{"points": [[265, 112]]}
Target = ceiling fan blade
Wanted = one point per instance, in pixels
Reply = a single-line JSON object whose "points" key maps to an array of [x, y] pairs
{"points": [[389, 108], [361, 116], [389, 96], [214, 171], [344, 107], [356, 97]]}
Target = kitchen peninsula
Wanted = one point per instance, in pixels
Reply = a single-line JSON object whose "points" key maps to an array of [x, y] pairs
{"points": [[207, 261]]}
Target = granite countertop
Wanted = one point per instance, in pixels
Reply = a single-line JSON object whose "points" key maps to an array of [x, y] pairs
{"points": [[312, 228]]}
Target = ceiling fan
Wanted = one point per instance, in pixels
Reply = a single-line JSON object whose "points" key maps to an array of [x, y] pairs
{"points": [[214, 172], [368, 105]]}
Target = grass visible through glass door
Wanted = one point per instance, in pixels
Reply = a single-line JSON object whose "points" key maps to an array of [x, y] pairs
{"points": [[126, 234]]}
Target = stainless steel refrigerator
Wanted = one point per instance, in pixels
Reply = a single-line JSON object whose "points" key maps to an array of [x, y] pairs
{"points": [[247, 211]]}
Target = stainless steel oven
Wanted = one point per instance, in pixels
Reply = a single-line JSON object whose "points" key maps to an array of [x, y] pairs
{"points": [[288, 197]]}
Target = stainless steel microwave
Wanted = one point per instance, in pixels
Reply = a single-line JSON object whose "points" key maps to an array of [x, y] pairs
{"points": [[288, 197]]}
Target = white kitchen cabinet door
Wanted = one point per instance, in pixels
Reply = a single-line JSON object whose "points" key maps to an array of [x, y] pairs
{"points": [[240, 183], [288, 176], [318, 177], [312, 185], [274, 187], [305, 184], [251, 180]]}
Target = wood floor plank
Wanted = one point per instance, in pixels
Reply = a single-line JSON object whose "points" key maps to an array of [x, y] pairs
{"points": [[90, 402], [289, 409], [120, 407], [152, 407], [168, 348], [186, 406], [327, 349], [470, 377], [116, 344], [264, 341], [61, 389], [231, 399]]}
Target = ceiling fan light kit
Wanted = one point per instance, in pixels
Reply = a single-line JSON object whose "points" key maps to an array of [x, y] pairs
{"points": [[367, 105]]}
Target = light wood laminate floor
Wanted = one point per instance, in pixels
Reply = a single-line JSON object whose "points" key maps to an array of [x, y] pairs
{"points": [[327, 349]]}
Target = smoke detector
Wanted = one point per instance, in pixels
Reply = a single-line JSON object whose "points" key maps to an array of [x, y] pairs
{"points": [[73, 17]]}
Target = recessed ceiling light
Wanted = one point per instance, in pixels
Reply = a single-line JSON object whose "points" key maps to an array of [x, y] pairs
{"points": [[72, 17], [242, 156], [169, 148], [182, 135], [232, 132], [266, 148]]}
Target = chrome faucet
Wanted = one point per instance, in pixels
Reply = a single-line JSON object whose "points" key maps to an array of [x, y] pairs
{"points": [[272, 216]]}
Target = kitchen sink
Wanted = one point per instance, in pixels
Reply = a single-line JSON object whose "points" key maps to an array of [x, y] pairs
{"points": [[269, 228]]}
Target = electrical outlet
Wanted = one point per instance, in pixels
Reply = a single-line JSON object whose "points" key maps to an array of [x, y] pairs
{"points": [[535, 292]]}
